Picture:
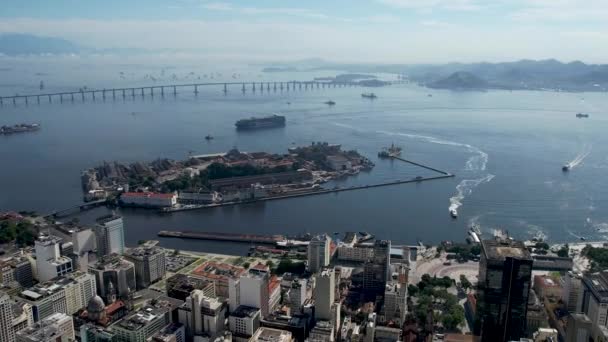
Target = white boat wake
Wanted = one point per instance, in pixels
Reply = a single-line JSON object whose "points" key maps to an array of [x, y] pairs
{"points": [[580, 157], [477, 162]]}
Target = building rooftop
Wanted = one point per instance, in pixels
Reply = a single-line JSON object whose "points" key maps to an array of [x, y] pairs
{"points": [[107, 218], [144, 250], [45, 330], [244, 311], [271, 335], [500, 249], [144, 316], [46, 239], [111, 262], [50, 287], [597, 283], [147, 195], [218, 271]]}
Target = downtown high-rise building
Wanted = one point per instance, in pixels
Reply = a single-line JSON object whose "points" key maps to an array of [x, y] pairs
{"points": [[49, 261], [505, 272], [110, 235], [6, 318], [149, 261], [318, 252], [377, 269], [325, 294]]}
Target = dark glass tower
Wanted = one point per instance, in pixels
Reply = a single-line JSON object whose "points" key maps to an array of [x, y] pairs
{"points": [[505, 272]]}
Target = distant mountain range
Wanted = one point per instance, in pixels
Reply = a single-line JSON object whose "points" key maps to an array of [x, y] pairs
{"points": [[14, 44], [524, 74]]}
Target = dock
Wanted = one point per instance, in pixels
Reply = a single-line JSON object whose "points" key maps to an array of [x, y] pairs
{"points": [[310, 193], [419, 165], [228, 237]]}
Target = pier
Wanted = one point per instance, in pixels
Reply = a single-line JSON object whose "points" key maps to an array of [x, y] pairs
{"points": [[229, 237], [83, 95], [420, 165], [75, 209], [309, 193]]}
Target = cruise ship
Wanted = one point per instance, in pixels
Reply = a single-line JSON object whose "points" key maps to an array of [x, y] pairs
{"points": [[263, 122], [19, 128]]}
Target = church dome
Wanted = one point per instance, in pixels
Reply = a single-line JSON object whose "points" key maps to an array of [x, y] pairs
{"points": [[95, 307]]}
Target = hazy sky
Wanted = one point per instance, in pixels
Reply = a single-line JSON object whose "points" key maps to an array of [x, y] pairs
{"points": [[390, 31]]}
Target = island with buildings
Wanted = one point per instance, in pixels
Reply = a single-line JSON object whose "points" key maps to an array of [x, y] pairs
{"points": [[229, 177], [77, 282]]}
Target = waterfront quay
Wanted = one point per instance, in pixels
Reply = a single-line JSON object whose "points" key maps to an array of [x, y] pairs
{"points": [[312, 192]]}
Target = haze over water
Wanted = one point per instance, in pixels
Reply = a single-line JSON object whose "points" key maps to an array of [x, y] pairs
{"points": [[506, 149]]}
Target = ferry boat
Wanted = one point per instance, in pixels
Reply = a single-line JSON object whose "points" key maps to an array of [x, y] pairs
{"points": [[369, 95], [453, 213], [263, 122]]}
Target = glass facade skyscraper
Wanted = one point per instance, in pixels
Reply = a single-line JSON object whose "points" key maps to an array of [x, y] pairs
{"points": [[110, 235]]}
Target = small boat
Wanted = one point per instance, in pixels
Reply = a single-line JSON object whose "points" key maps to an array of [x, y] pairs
{"points": [[566, 168], [582, 115], [369, 95], [453, 213], [208, 137], [329, 103]]}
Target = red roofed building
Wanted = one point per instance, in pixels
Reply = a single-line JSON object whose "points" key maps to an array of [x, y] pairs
{"points": [[148, 199], [274, 291], [219, 274]]}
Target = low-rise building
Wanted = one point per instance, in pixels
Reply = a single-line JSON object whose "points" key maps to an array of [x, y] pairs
{"points": [[219, 274], [57, 327], [148, 199], [198, 196], [339, 163]]}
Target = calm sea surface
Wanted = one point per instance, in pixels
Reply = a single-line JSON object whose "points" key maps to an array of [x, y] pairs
{"points": [[506, 149]]}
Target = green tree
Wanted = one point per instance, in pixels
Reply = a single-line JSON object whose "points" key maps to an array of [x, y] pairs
{"points": [[246, 264], [464, 282], [412, 290], [563, 252]]}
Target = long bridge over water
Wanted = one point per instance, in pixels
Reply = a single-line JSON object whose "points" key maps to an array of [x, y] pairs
{"points": [[83, 95]]}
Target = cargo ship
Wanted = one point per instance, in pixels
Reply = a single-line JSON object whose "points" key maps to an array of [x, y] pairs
{"points": [[264, 122], [19, 128]]}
